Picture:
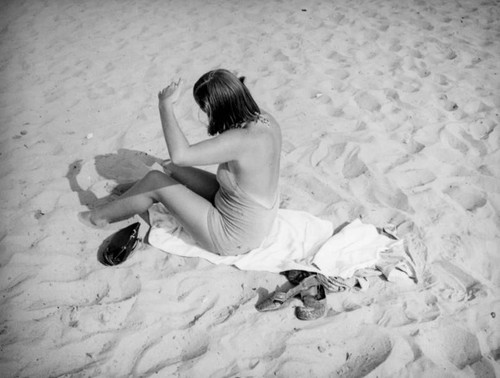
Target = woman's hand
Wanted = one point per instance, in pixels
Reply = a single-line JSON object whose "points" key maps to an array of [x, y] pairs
{"points": [[169, 94]]}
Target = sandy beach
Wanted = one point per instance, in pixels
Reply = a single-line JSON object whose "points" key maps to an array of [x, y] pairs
{"points": [[389, 113]]}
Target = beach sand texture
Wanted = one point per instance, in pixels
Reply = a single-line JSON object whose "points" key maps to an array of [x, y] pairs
{"points": [[389, 111]]}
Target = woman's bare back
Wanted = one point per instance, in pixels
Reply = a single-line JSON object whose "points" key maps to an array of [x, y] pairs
{"points": [[257, 172]]}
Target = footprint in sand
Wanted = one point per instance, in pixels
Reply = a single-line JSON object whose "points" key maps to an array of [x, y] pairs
{"points": [[469, 199], [334, 153], [319, 97], [448, 136], [447, 104], [353, 165], [408, 85], [337, 74], [416, 54], [474, 107], [395, 46], [366, 356], [279, 103], [319, 153], [423, 72], [367, 102], [450, 344], [414, 147], [450, 55], [453, 284], [392, 95], [384, 191], [384, 25], [413, 178], [442, 79], [481, 128], [280, 57], [423, 25]]}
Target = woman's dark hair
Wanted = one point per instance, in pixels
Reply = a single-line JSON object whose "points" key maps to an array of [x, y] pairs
{"points": [[226, 100]]}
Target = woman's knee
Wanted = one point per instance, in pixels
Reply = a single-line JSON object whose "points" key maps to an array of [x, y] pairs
{"points": [[157, 180]]}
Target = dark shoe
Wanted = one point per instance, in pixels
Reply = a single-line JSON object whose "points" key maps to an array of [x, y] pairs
{"points": [[120, 245]]}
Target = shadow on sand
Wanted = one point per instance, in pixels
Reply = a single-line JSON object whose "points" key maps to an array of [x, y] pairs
{"points": [[124, 167]]}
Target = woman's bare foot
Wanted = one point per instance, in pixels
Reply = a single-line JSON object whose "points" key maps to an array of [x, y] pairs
{"points": [[86, 218]]}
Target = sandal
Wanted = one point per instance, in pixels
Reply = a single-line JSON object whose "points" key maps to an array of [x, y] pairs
{"points": [[279, 299], [295, 277], [315, 305], [119, 246]]}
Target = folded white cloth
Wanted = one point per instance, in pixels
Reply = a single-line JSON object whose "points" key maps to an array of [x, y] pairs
{"points": [[298, 241]]}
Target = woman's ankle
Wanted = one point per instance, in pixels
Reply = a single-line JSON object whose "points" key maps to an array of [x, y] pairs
{"points": [[90, 219]]}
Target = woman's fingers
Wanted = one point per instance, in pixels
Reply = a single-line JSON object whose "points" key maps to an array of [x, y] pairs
{"points": [[170, 90]]}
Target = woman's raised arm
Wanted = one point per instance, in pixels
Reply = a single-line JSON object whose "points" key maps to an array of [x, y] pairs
{"points": [[174, 137], [225, 147]]}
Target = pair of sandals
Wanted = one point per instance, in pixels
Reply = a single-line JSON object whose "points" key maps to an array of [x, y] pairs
{"points": [[308, 287]]}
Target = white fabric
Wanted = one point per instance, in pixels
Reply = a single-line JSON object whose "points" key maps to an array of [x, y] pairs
{"points": [[356, 246], [298, 240]]}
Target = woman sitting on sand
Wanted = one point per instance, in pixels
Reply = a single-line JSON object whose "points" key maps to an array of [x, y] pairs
{"points": [[229, 213]]}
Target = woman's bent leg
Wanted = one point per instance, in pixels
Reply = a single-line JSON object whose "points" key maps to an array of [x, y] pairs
{"points": [[188, 207], [199, 181]]}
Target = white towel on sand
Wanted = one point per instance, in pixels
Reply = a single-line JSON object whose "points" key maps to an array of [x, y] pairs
{"points": [[298, 240]]}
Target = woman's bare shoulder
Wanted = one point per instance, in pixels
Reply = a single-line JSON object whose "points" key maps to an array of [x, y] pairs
{"points": [[266, 115]]}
